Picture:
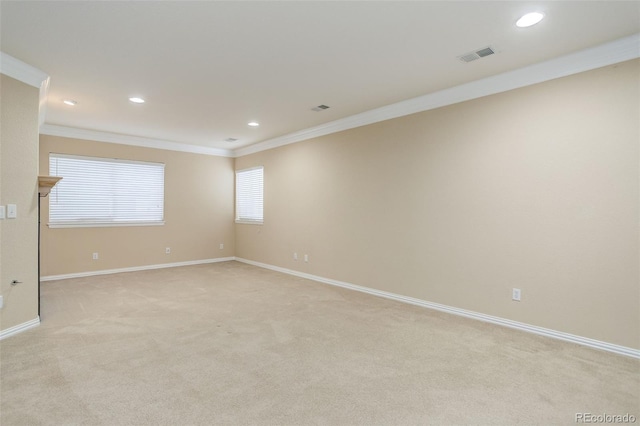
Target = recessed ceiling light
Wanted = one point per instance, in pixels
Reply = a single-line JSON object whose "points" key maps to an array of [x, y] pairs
{"points": [[137, 100], [70, 102], [529, 19], [253, 124], [230, 139]]}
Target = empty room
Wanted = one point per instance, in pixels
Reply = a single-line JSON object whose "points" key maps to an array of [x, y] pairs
{"points": [[319, 212]]}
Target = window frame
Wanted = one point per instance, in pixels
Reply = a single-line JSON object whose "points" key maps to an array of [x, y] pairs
{"points": [[247, 220], [99, 223]]}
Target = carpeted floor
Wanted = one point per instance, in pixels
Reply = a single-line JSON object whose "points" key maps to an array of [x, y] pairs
{"points": [[234, 344]]}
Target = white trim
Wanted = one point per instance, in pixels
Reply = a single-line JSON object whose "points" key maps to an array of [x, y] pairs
{"points": [[30, 75], [134, 269], [42, 108], [102, 224], [611, 53], [99, 136], [620, 50], [249, 222], [250, 168], [21, 71], [19, 328], [596, 344], [106, 159]]}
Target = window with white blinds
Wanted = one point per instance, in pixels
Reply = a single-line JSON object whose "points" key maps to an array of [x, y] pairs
{"points": [[105, 192], [249, 195]]}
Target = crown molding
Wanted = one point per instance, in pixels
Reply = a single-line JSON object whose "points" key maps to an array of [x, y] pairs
{"points": [[617, 51], [21, 71], [30, 75], [620, 50], [98, 136]]}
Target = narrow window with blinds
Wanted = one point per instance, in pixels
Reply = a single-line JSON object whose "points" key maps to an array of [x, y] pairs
{"points": [[249, 195], [105, 192]]}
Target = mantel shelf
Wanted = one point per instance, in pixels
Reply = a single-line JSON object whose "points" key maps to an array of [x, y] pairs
{"points": [[45, 183]]}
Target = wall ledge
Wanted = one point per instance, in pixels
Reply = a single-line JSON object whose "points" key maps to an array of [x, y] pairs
{"points": [[19, 328], [554, 334]]}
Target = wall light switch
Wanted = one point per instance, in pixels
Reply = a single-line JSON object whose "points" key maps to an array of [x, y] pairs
{"points": [[12, 211], [516, 294], [1, 302], [3, 212]]}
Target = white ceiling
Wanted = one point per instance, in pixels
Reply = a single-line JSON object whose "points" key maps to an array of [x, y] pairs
{"points": [[208, 68]]}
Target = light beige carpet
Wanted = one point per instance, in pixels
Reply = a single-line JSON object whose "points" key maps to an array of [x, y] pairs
{"points": [[233, 344]]}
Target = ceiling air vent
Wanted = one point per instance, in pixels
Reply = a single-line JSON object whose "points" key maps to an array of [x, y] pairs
{"points": [[469, 57], [230, 139], [319, 108]]}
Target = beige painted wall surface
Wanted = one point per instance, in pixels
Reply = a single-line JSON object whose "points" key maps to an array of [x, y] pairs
{"points": [[198, 214], [536, 188], [19, 185]]}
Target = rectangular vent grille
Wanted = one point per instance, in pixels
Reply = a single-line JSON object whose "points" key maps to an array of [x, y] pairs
{"points": [[481, 53], [320, 108], [469, 57], [485, 52], [230, 139]]}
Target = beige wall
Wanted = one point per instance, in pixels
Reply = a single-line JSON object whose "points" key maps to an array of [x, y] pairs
{"points": [[19, 185], [536, 188], [198, 214]]}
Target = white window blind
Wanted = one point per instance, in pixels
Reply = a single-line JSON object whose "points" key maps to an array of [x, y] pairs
{"points": [[249, 195], [105, 192]]}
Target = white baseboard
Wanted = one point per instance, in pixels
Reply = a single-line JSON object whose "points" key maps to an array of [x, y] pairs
{"points": [[19, 328], [133, 269], [597, 344]]}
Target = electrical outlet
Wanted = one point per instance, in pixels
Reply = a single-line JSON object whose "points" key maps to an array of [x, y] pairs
{"points": [[221, 246], [95, 256], [306, 257], [167, 250], [515, 295], [295, 256]]}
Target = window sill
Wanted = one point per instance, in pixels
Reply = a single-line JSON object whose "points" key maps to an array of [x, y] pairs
{"points": [[102, 224], [249, 222]]}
